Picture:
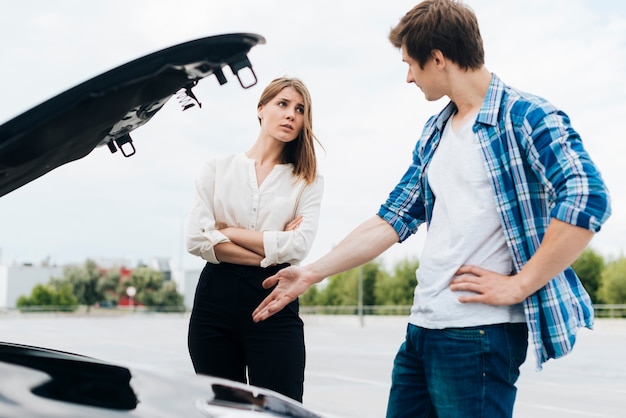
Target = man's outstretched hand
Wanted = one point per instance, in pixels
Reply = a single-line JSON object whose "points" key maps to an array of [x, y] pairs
{"points": [[366, 242], [290, 283]]}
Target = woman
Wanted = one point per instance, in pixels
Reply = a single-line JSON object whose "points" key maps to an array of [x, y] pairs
{"points": [[255, 213]]}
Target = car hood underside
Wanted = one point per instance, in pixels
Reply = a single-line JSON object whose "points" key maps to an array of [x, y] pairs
{"points": [[105, 109]]}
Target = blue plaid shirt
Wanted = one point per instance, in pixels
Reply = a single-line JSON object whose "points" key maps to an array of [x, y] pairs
{"points": [[539, 170]]}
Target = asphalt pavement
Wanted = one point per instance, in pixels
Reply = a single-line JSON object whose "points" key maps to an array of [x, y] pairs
{"points": [[349, 360]]}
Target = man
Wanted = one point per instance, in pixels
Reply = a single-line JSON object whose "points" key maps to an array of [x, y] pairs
{"points": [[511, 198]]}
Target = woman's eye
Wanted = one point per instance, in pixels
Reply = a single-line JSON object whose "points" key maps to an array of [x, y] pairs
{"points": [[300, 110]]}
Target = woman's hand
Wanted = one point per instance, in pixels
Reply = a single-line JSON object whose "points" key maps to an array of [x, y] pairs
{"points": [[293, 224]]}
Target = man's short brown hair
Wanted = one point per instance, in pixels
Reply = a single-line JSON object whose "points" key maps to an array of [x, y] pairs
{"points": [[446, 25]]}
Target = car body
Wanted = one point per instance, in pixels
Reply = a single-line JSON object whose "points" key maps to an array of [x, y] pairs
{"points": [[40, 382], [105, 110]]}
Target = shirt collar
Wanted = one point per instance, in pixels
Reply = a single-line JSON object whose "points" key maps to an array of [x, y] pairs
{"points": [[490, 109]]}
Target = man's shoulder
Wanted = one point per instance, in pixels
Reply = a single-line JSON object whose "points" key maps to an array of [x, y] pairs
{"points": [[520, 102]]}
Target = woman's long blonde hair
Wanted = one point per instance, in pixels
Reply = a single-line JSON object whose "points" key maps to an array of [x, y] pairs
{"points": [[301, 151]]}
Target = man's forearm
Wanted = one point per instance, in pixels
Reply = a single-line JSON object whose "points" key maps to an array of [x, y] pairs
{"points": [[561, 246], [366, 242]]}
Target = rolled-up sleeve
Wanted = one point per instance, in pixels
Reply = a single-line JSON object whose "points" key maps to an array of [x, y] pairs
{"points": [[580, 195], [293, 246], [404, 209], [202, 235]]}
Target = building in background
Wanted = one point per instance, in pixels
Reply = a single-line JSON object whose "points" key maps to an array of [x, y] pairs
{"points": [[186, 281], [19, 279]]}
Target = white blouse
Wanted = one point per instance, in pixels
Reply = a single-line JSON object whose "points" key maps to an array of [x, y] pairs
{"points": [[227, 194]]}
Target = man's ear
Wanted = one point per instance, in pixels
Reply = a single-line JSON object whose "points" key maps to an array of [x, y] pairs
{"points": [[438, 58]]}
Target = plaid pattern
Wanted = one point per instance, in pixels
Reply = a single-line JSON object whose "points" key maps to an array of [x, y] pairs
{"points": [[539, 170]]}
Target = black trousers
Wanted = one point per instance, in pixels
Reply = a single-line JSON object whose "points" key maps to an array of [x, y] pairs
{"points": [[224, 342]]}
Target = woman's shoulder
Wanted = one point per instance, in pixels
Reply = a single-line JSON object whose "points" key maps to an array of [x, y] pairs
{"points": [[220, 163]]}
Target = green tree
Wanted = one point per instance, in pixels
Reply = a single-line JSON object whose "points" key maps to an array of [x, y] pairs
{"points": [[109, 287], [153, 291], [343, 289], [397, 288], [310, 297], [613, 282], [83, 281], [49, 298], [589, 267], [167, 298], [340, 289], [146, 281]]}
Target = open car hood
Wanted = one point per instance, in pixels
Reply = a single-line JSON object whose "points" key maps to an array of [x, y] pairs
{"points": [[107, 108]]}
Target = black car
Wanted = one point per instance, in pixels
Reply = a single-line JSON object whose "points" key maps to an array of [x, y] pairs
{"points": [[103, 111]]}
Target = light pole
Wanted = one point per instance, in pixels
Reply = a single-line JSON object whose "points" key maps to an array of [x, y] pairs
{"points": [[131, 292], [360, 295]]}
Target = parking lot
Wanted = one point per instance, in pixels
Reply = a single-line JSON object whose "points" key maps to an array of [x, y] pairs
{"points": [[348, 361]]}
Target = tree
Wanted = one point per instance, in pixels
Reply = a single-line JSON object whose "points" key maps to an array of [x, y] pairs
{"points": [[84, 283], [153, 291], [167, 298], [91, 284], [372, 273], [146, 281], [343, 289], [109, 287], [49, 298], [340, 289], [613, 286], [398, 287], [589, 267], [310, 297]]}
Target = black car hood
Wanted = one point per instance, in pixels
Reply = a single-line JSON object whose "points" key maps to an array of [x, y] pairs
{"points": [[42, 382], [107, 108]]}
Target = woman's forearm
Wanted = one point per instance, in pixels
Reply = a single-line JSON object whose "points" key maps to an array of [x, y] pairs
{"points": [[229, 252], [245, 238]]}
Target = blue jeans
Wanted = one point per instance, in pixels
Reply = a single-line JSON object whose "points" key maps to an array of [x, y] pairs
{"points": [[458, 372]]}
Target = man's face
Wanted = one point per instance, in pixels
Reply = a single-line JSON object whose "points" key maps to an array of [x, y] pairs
{"points": [[427, 78]]}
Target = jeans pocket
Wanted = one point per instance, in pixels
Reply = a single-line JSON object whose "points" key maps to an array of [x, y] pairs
{"points": [[517, 343]]}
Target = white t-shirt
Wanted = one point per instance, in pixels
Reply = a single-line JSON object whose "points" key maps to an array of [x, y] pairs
{"points": [[227, 194], [465, 229]]}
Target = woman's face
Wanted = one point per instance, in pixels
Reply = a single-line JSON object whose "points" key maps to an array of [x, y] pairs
{"points": [[282, 118]]}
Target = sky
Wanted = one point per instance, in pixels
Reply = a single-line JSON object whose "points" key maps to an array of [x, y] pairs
{"points": [[107, 207]]}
